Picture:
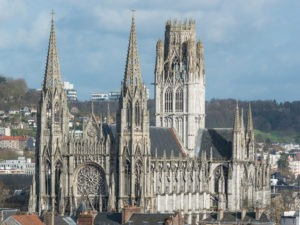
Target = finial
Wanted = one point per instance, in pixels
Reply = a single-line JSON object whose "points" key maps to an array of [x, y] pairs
{"points": [[236, 117], [133, 11], [52, 13], [92, 107], [108, 114]]}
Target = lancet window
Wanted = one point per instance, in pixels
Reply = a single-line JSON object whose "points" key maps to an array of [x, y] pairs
{"points": [[128, 114], [168, 100], [137, 113], [179, 100], [127, 177], [56, 113]]}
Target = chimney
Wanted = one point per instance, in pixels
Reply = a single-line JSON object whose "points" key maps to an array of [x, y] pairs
{"points": [[49, 218], [258, 213], [85, 218], [220, 214], [127, 211], [244, 211]]}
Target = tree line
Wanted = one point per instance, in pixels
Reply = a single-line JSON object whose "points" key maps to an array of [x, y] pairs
{"points": [[268, 115]]}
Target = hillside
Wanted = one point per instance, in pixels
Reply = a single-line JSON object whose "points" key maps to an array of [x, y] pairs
{"points": [[273, 120]]}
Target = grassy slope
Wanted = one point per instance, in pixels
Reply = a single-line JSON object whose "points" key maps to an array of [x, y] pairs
{"points": [[275, 136]]}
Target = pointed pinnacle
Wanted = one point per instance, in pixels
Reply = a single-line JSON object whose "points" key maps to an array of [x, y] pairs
{"points": [[250, 121], [92, 107], [242, 119], [236, 118], [108, 114]]}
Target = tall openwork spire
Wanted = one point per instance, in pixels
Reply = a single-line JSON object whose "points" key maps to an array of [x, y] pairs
{"points": [[52, 77], [132, 71]]}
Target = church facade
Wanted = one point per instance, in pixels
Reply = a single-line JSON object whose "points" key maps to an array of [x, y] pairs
{"points": [[176, 165]]}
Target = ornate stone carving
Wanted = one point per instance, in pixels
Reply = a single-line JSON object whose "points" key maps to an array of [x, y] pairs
{"points": [[90, 180]]}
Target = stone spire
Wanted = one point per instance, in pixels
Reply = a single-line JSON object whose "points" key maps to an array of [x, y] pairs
{"points": [[108, 114], [132, 76], [236, 118], [250, 121], [52, 77], [242, 120]]}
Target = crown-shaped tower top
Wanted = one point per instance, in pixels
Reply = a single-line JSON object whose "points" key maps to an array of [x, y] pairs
{"points": [[179, 25], [132, 76], [52, 77]]}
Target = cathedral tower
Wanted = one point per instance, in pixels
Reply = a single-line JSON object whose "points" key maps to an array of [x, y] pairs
{"points": [[133, 134], [52, 135], [180, 82]]}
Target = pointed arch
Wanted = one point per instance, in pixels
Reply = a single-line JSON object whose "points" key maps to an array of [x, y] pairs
{"points": [[56, 112], [128, 113], [138, 185], [47, 177], [169, 100], [179, 100], [127, 176], [137, 113]]}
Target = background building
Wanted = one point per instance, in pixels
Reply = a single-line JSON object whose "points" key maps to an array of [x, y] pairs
{"points": [[100, 96], [70, 91], [20, 166]]}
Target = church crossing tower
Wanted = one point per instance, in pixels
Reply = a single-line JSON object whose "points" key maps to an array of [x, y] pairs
{"points": [[180, 82], [133, 133], [52, 136]]}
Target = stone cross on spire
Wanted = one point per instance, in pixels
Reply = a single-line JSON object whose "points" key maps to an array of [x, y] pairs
{"points": [[132, 76], [52, 77]]}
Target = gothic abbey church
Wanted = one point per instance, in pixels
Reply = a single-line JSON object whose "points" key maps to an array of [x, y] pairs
{"points": [[176, 165]]}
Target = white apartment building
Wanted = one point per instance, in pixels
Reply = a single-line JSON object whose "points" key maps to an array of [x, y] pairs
{"points": [[4, 131], [70, 91], [100, 96], [20, 165]]}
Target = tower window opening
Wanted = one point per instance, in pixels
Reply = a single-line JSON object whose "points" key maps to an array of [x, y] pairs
{"points": [[127, 177], [56, 113], [137, 113], [128, 114], [168, 100], [179, 100]]}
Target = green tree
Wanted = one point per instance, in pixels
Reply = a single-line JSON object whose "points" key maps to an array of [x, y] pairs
{"points": [[283, 163]]}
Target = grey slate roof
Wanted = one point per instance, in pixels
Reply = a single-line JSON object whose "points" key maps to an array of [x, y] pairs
{"points": [[161, 139], [108, 218], [219, 140], [64, 220], [149, 218], [232, 217], [164, 139]]}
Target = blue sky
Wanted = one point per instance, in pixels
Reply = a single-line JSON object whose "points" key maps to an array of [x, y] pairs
{"points": [[252, 47]]}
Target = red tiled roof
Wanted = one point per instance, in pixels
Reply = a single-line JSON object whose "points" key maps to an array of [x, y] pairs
{"points": [[28, 219], [14, 138]]}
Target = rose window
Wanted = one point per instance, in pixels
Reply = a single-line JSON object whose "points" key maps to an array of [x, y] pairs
{"points": [[90, 180]]}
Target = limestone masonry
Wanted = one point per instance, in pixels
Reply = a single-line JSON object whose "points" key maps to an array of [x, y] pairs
{"points": [[176, 165]]}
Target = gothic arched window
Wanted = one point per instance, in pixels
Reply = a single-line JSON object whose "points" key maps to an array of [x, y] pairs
{"points": [[128, 114], [137, 113], [49, 114], [56, 113], [179, 100], [127, 177], [138, 186], [48, 177], [168, 100]]}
